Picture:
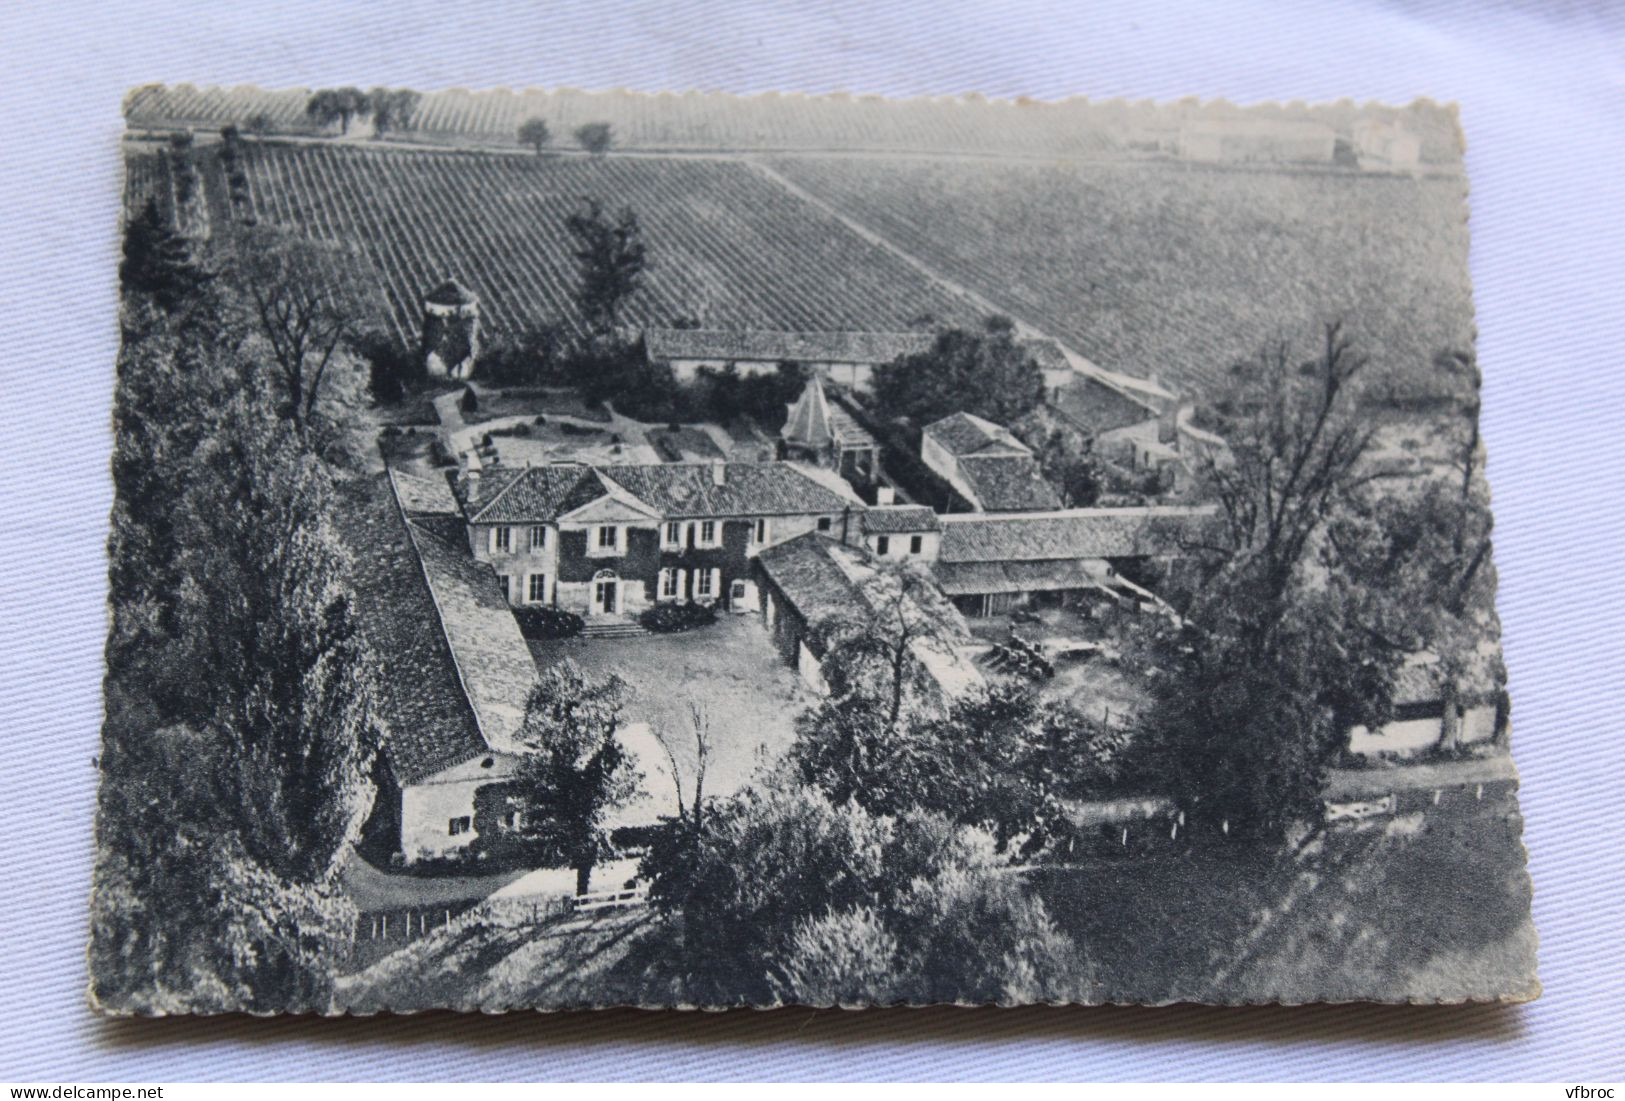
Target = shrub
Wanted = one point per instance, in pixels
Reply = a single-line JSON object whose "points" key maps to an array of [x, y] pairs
{"points": [[545, 622], [469, 402], [393, 370], [670, 618]]}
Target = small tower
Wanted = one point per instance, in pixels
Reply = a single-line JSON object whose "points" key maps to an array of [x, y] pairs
{"points": [[818, 431], [451, 330], [808, 433]]}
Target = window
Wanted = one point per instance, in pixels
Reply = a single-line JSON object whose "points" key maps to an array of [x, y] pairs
{"points": [[506, 582], [609, 538], [670, 585], [825, 523], [758, 532], [916, 543], [501, 539], [671, 536], [882, 544], [705, 583], [538, 538], [536, 588], [708, 534], [460, 825]]}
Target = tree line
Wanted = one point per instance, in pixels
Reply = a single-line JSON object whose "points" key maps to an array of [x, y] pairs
{"points": [[241, 724]]}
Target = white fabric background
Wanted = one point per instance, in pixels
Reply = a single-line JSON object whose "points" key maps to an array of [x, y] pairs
{"points": [[1540, 87]]}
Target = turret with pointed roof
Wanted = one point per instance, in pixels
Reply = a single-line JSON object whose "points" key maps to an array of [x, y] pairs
{"points": [[820, 430]]}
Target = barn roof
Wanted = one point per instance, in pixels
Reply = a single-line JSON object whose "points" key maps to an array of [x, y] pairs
{"points": [[975, 578], [806, 572], [432, 723], [759, 346], [731, 489], [1068, 534], [1096, 406], [1008, 483], [898, 519], [967, 434]]}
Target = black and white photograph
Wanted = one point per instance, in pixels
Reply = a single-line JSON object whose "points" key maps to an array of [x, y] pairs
{"points": [[691, 551]]}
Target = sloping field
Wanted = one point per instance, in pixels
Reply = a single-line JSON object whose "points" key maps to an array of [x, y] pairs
{"points": [[727, 247], [690, 121], [1430, 905], [1178, 270]]}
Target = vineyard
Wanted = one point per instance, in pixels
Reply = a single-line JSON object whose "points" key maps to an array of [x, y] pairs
{"points": [[1159, 270], [727, 246], [692, 121], [1178, 271]]}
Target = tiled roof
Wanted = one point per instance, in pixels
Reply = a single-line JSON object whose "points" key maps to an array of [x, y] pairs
{"points": [[539, 493], [966, 434], [820, 576], [814, 420], [425, 496], [963, 578], [1096, 407], [522, 494], [431, 725], [898, 519], [493, 663], [805, 571], [1073, 533], [729, 489], [1008, 483], [758, 346]]}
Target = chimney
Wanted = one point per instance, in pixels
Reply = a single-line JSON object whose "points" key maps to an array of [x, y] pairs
{"points": [[719, 474], [885, 495], [471, 475]]}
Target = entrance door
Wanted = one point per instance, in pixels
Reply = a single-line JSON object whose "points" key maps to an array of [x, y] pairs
{"points": [[605, 596]]}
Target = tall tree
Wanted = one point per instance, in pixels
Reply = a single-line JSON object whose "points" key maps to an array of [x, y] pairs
{"points": [[159, 263], [330, 105], [876, 646], [534, 133], [239, 730], [595, 137], [987, 373], [393, 109], [286, 681], [610, 258], [575, 771], [1282, 642], [306, 303]]}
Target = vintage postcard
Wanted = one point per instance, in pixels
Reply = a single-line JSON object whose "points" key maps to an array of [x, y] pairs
{"points": [[603, 549]]}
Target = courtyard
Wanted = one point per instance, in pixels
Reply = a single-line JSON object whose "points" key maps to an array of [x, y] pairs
{"points": [[731, 669]]}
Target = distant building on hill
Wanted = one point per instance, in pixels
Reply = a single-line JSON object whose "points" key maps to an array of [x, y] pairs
{"points": [[1256, 141], [1386, 145], [846, 359], [451, 331]]}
